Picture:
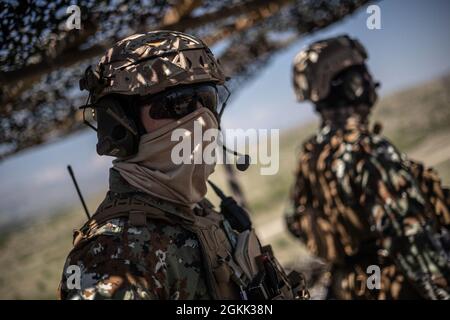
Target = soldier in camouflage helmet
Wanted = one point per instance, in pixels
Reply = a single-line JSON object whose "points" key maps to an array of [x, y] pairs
{"points": [[155, 236], [357, 201]]}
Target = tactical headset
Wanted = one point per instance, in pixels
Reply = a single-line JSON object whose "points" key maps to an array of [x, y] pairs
{"points": [[117, 117], [352, 86], [117, 133]]}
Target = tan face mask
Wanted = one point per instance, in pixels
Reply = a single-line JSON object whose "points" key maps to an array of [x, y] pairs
{"points": [[152, 170]]}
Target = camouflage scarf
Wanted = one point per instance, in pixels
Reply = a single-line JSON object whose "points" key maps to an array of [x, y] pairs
{"points": [[152, 170]]}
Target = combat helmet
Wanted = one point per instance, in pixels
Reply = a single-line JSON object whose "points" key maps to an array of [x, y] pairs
{"points": [[146, 64], [316, 66], [166, 66]]}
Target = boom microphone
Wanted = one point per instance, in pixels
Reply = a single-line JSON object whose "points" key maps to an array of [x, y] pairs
{"points": [[243, 160]]}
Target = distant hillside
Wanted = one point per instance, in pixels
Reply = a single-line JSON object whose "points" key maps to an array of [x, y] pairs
{"points": [[412, 116], [417, 120]]}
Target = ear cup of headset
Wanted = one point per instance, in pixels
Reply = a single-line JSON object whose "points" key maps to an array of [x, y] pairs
{"points": [[117, 134], [372, 94], [357, 86], [370, 88], [353, 86]]}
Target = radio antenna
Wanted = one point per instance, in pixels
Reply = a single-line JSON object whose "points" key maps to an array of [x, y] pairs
{"points": [[69, 168]]}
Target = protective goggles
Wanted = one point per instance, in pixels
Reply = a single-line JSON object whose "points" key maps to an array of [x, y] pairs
{"points": [[170, 104], [179, 102]]}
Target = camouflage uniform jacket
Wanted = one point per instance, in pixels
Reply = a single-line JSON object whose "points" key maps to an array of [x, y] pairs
{"points": [[120, 261], [357, 201]]}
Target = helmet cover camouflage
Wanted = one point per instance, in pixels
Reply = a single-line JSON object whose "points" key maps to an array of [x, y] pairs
{"points": [[315, 66], [145, 64]]}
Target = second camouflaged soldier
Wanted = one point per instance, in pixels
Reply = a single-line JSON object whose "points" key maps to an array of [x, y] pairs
{"points": [[155, 236], [357, 201]]}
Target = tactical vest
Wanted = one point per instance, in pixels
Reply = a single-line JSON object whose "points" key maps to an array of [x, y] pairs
{"points": [[236, 264]]}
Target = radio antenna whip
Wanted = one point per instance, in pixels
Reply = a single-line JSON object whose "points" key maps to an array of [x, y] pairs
{"points": [[69, 168]]}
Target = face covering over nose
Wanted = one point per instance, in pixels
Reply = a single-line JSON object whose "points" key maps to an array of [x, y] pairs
{"points": [[153, 171]]}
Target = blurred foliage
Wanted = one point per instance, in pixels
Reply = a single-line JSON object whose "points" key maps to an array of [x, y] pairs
{"points": [[41, 61]]}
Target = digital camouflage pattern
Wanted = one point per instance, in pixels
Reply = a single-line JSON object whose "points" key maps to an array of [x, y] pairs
{"points": [[146, 64], [121, 261], [358, 201]]}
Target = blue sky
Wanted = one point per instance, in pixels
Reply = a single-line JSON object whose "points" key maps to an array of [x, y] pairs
{"points": [[413, 46]]}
